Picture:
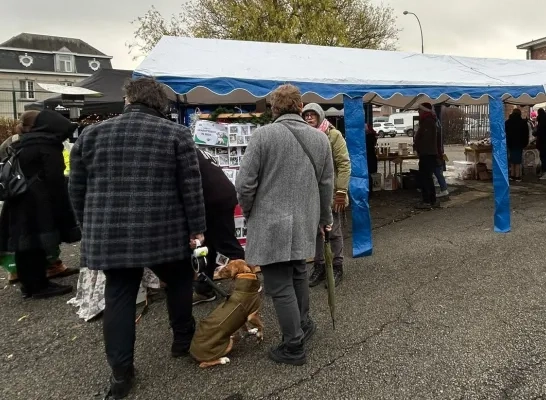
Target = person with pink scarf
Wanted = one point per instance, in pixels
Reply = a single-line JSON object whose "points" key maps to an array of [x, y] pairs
{"points": [[315, 117]]}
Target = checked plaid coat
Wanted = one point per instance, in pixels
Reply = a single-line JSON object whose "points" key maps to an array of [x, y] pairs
{"points": [[136, 190]]}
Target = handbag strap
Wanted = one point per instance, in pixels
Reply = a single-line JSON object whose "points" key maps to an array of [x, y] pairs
{"points": [[305, 150]]}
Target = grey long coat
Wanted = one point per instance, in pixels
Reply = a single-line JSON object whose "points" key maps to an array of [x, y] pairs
{"points": [[279, 193]]}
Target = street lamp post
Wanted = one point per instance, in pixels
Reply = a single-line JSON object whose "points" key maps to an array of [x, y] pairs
{"points": [[420, 27]]}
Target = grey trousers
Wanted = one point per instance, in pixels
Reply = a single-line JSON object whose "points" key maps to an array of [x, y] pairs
{"points": [[336, 242], [288, 285]]}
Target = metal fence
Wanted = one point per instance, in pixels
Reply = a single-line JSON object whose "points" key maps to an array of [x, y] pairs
{"points": [[476, 124], [13, 102]]}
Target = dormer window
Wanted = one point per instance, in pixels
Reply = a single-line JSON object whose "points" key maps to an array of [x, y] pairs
{"points": [[65, 63], [26, 60]]}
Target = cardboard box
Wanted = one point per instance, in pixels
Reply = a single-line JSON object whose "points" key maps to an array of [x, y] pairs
{"points": [[391, 183]]}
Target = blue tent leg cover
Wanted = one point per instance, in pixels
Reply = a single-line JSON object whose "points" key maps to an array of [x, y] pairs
{"points": [[359, 185], [501, 184]]}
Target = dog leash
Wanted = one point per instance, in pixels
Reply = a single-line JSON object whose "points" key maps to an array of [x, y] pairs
{"points": [[199, 263]]}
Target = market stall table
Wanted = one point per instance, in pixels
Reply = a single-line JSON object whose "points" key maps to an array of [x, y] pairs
{"points": [[398, 161]]}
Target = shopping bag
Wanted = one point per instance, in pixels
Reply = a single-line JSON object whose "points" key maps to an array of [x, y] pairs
{"points": [[7, 261]]}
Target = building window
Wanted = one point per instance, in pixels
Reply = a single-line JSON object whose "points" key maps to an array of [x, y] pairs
{"points": [[27, 90], [65, 63], [67, 83]]}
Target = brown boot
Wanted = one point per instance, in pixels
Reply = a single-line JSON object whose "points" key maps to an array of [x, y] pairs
{"points": [[13, 278], [59, 270]]}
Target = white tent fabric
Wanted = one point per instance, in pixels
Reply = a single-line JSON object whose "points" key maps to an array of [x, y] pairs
{"points": [[208, 71], [247, 70]]}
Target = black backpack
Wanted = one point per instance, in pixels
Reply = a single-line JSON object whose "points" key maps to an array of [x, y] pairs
{"points": [[12, 180]]}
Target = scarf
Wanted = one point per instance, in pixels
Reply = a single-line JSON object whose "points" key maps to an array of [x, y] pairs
{"points": [[325, 126], [427, 112]]}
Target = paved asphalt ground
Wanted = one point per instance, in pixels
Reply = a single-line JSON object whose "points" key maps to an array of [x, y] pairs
{"points": [[444, 309]]}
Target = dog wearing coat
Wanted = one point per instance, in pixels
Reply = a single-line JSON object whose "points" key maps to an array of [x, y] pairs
{"points": [[214, 337]]}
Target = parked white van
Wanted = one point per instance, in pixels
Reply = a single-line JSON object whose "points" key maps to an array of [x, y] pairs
{"points": [[403, 122]]}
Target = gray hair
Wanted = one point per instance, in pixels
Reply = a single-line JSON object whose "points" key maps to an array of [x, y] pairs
{"points": [[147, 91]]}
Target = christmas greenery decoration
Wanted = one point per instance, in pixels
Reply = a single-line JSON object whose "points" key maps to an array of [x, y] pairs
{"points": [[263, 119]]}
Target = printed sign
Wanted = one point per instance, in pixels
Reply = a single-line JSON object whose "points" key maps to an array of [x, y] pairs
{"points": [[210, 133]]}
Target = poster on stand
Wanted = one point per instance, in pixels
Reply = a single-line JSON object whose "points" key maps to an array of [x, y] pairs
{"points": [[210, 133]]}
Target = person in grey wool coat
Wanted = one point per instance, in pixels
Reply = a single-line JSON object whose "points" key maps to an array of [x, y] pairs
{"points": [[136, 189], [285, 193]]}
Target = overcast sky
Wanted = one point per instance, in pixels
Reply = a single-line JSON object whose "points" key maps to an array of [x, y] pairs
{"points": [[485, 28]]}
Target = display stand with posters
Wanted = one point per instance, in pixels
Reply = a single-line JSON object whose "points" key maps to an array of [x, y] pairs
{"points": [[226, 143]]}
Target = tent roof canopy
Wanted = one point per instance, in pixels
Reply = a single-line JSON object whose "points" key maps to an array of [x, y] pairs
{"points": [[108, 82], [211, 71]]}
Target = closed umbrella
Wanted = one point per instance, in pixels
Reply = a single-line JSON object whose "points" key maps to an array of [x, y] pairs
{"points": [[328, 260]]}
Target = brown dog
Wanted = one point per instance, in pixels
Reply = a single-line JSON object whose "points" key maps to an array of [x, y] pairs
{"points": [[214, 336]]}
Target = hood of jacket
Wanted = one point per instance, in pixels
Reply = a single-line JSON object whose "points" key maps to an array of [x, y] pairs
{"points": [[316, 109], [51, 123]]}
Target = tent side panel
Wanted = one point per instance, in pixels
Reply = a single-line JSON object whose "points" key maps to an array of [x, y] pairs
{"points": [[359, 183], [501, 184]]}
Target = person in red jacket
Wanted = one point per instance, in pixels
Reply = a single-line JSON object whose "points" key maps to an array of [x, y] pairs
{"points": [[426, 145]]}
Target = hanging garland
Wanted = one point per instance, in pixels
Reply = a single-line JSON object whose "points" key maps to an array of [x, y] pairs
{"points": [[94, 118], [263, 119]]}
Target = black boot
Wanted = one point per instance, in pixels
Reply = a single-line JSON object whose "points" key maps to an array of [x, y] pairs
{"points": [[182, 340], [121, 383], [318, 275], [284, 354], [51, 290]]}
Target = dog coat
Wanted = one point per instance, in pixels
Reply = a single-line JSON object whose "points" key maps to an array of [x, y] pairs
{"points": [[213, 333]]}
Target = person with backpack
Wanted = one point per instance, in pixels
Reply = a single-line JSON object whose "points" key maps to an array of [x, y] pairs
{"points": [[56, 268], [37, 215]]}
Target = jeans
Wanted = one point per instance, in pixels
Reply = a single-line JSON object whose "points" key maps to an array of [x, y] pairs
{"points": [[336, 241], [120, 296], [439, 174], [219, 238], [427, 166], [288, 285]]}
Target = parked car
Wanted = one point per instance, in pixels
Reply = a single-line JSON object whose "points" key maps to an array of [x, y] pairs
{"points": [[403, 123], [384, 128]]}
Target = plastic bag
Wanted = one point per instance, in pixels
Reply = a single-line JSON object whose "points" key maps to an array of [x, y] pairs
{"points": [[7, 261]]}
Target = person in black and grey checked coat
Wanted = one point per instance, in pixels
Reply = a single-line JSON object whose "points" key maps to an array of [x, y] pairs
{"points": [[136, 189]]}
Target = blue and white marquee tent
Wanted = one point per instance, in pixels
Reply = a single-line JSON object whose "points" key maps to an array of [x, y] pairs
{"points": [[210, 71]]}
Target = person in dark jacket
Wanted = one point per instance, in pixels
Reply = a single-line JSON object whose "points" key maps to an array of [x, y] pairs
{"points": [[426, 145], [540, 134], [517, 138], [56, 268], [220, 202], [36, 222], [441, 163], [136, 189], [371, 155]]}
